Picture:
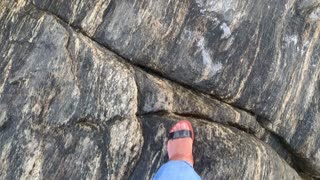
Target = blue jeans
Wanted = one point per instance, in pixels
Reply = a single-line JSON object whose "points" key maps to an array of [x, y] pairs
{"points": [[176, 170]]}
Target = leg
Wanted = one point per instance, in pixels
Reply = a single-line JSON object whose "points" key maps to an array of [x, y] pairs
{"points": [[180, 165]]}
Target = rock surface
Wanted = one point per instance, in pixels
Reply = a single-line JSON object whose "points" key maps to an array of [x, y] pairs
{"points": [[227, 152], [159, 95], [260, 56], [67, 105], [88, 89]]}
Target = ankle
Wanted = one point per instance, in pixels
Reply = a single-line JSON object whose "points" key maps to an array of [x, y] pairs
{"points": [[183, 157]]}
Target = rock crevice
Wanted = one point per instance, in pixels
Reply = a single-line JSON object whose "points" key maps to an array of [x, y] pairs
{"points": [[85, 85]]}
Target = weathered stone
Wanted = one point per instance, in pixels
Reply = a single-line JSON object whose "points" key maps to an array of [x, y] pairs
{"points": [[80, 151], [220, 152], [262, 56], [68, 106], [159, 95], [306, 139]]}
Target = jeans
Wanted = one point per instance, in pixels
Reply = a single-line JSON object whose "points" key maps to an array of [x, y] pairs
{"points": [[174, 170]]}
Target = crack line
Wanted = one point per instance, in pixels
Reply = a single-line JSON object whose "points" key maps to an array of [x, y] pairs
{"points": [[163, 76]]}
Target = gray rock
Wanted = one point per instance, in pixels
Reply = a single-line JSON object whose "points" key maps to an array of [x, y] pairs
{"points": [[262, 56], [80, 151], [220, 152], [160, 95], [68, 106]]}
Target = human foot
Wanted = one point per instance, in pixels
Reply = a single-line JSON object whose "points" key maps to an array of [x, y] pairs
{"points": [[180, 142]]}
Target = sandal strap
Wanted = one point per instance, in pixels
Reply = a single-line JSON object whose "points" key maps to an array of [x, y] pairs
{"points": [[180, 134]]}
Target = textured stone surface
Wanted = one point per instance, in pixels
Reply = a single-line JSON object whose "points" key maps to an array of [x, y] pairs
{"points": [[69, 106], [262, 56], [80, 151], [220, 152], [159, 95]]}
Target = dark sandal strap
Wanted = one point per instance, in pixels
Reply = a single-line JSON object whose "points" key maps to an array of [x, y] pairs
{"points": [[180, 134]]}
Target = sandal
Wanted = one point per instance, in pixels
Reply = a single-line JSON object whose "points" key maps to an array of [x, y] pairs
{"points": [[180, 142]]}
